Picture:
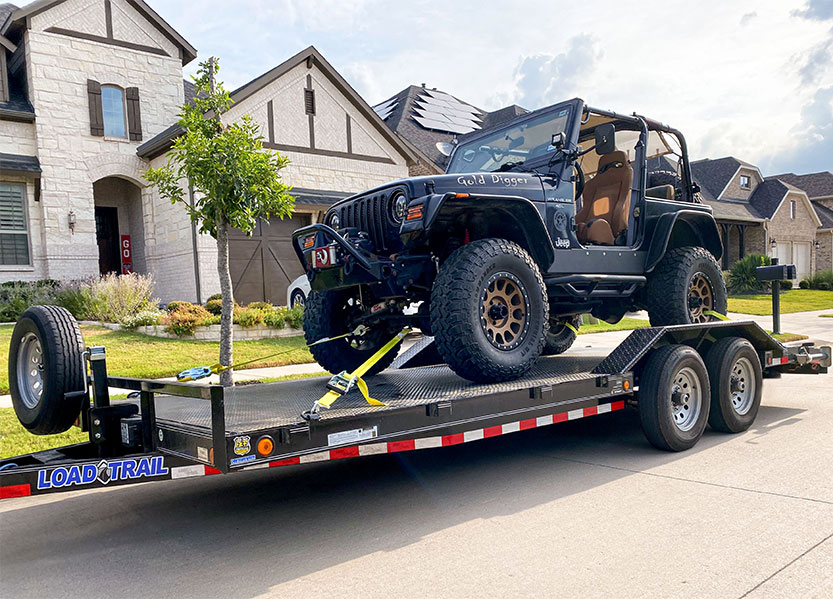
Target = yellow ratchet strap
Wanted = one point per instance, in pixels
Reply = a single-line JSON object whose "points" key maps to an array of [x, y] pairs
{"points": [[717, 315], [571, 327], [342, 383]]}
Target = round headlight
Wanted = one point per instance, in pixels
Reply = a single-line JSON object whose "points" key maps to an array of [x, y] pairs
{"points": [[399, 207], [333, 220]]}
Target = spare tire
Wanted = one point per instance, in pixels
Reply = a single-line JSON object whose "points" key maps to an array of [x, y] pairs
{"points": [[46, 362]]}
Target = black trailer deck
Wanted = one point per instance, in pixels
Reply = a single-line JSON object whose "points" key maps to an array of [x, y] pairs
{"points": [[177, 430]]}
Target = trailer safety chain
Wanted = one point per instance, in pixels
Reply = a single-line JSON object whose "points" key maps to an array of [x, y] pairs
{"points": [[200, 372]]}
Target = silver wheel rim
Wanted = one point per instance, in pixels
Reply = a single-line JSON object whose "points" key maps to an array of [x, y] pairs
{"points": [[742, 386], [297, 300], [686, 399], [30, 370]]}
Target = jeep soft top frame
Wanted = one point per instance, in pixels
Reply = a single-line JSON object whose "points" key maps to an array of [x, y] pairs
{"points": [[178, 430]]}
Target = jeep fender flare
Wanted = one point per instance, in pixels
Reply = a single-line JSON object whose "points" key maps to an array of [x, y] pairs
{"points": [[682, 228], [507, 217]]}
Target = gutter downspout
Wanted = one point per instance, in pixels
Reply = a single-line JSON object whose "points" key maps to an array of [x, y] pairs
{"points": [[194, 246]]}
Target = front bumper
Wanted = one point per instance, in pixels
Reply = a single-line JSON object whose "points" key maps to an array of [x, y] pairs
{"points": [[352, 265]]}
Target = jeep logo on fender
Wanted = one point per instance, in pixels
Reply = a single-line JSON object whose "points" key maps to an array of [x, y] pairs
{"points": [[103, 472]]}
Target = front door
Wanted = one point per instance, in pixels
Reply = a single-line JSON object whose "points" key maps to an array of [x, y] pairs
{"points": [[107, 237], [801, 255]]}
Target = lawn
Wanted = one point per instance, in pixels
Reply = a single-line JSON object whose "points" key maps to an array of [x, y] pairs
{"points": [[626, 324], [795, 300], [141, 356], [16, 440]]}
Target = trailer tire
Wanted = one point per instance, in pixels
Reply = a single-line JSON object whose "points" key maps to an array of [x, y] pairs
{"points": [[46, 361], [489, 311], [736, 384], [674, 398]]}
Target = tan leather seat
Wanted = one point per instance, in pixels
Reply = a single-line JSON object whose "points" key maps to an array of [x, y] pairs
{"points": [[607, 201]]}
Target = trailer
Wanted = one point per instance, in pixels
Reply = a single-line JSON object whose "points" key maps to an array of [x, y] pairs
{"points": [[680, 379]]}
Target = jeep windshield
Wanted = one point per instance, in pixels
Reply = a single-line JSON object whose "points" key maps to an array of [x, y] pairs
{"points": [[511, 146]]}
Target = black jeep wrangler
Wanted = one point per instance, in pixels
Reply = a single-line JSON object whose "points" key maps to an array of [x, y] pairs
{"points": [[549, 217]]}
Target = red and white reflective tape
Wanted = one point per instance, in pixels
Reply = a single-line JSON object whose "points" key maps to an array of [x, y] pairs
{"points": [[355, 451], [781, 360], [192, 471]]}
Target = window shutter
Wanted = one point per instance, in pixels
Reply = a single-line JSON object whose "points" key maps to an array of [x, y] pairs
{"points": [[309, 101], [96, 113], [134, 114]]}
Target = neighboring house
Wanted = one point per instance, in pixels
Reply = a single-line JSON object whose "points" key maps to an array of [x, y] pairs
{"points": [[759, 215], [89, 92], [426, 116], [819, 188]]}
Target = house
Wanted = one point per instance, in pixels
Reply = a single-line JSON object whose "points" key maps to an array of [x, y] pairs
{"points": [[757, 214], [427, 116], [819, 188], [90, 91]]}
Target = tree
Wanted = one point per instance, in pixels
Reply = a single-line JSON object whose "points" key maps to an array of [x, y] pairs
{"points": [[235, 181]]}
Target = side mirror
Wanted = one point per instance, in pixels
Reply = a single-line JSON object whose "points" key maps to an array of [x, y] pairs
{"points": [[605, 139], [445, 148]]}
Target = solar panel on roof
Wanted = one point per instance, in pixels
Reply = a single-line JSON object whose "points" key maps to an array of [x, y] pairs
{"points": [[385, 109], [448, 110], [439, 126], [442, 112]]}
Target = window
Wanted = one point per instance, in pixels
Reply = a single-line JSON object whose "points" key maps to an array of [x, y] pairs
{"points": [[14, 236], [744, 181], [112, 106], [792, 209]]}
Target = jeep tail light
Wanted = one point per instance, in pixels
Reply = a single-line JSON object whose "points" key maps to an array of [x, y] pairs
{"points": [[414, 212], [309, 242]]}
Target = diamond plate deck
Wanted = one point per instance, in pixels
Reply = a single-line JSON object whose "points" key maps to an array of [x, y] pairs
{"points": [[271, 405]]}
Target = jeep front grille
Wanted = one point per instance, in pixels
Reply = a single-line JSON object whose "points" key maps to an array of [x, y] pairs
{"points": [[372, 215]]}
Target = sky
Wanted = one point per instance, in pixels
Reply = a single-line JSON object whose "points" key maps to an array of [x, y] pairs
{"points": [[748, 79]]}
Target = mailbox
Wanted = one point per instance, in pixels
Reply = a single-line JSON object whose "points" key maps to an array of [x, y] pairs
{"points": [[776, 272]]}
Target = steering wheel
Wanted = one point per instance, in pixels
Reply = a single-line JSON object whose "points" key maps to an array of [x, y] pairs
{"points": [[581, 179]]}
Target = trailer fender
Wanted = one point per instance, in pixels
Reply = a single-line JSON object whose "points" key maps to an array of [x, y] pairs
{"points": [[683, 228]]}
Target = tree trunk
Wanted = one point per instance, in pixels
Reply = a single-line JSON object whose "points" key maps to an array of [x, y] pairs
{"points": [[226, 322]]}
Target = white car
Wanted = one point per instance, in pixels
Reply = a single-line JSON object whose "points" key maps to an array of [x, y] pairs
{"points": [[297, 292]]}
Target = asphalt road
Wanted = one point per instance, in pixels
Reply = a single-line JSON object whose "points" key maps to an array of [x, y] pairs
{"points": [[585, 508]]}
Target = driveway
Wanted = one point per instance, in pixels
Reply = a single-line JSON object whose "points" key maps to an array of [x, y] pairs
{"points": [[585, 508]]}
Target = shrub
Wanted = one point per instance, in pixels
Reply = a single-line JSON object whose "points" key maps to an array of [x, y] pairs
{"points": [[176, 305], [805, 284], [117, 297], [275, 319], [216, 296], [145, 318], [820, 278], [249, 317], [209, 320], [742, 275], [215, 306], [786, 285], [266, 306], [295, 317], [77, 297], [16, 296], [185, 318]]}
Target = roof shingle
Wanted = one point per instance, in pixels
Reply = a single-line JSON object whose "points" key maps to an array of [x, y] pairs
{"points": [[817, 185]]}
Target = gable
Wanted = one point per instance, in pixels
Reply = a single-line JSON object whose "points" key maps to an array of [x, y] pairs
{"points": [[338, 128], [805, 215], [123, 23]]}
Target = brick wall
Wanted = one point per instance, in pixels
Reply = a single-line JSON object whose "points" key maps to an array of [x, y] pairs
{"points": [[801, 229], [824, 254], [735, 191]]}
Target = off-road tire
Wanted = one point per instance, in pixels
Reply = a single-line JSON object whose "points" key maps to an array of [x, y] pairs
{"points": [[663, 177], [734, 357], [61, 369], [656, 411], [456, 302], [560, 338], [323, 318], [668, 286]]}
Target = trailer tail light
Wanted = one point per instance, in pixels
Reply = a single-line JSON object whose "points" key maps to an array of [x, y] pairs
{"points": [[265, 445], [414, 212]]}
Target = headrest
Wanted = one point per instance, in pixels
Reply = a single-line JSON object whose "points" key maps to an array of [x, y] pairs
{"points": [[617, 156]]}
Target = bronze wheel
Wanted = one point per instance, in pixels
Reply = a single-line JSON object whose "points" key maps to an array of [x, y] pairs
{"points": [[504, 307], [700, 297]]}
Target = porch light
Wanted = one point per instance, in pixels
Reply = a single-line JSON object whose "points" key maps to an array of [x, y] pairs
{"points": [[773, 244], [816, 244]]}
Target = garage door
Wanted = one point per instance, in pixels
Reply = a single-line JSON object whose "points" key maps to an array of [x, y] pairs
{"points": [[784, 252], [263, 265], [801, 255]]}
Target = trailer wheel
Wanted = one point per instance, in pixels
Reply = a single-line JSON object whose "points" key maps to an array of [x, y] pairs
{"points": [[674, 398], [46, 362], [736, 384]]}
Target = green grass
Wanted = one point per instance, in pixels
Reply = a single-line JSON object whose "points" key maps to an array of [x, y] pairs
{"points": [[787, 337], [825, 315], [626, 324], [142, 356], [16, 440], [795, 300]]}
